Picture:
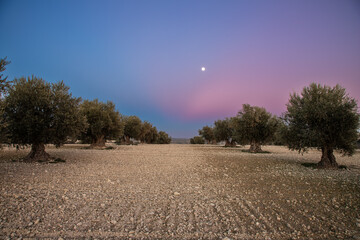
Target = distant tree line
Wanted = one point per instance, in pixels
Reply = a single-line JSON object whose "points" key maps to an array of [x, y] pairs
{"points": [[253, 125], [35, 112], [320, 117]]}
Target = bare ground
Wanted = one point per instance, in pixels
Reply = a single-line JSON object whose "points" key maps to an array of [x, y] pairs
{"points": [[178, 192]]}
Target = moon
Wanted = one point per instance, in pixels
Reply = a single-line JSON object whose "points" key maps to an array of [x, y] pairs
{"points": [[203, 69]]}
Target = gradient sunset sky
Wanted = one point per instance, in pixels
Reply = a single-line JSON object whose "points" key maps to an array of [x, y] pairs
{"points": [[146, 56]]}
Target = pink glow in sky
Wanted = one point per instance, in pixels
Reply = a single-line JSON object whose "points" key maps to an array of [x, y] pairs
{"points": [[265, 80], [146, 56]]}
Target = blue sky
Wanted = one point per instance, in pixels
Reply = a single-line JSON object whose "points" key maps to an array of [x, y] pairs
{"points": [[146, 56]]}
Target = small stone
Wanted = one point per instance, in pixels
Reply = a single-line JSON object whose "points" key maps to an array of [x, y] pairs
{"points": [[113, 222], [357, 237], [176, 193]]}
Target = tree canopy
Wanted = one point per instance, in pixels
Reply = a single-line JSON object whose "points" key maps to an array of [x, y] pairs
{"points": [[208, 134], [224, 131], [325, 118], [39, 113], [254, 126], [197, 140], [149, 133], [104, 122], [163, 138], [133, 127], [4, 84]]}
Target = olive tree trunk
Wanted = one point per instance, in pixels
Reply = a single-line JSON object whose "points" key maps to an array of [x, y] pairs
{"points": [[327, 158], [37, 154], [127, 140], [255, 147], [230, 144], [99, 142]]}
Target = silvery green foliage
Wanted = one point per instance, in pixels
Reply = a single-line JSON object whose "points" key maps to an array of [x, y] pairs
{"points": [[254, 125], [322, 117], [103, 120], [38, 112]]}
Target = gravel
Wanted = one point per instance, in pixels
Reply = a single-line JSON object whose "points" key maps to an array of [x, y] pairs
{"points": [[178, 192]]}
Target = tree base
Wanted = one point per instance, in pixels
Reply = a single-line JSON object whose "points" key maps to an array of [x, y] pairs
{"points": [[98, 143], [230, 144], [37, 154], [128, 141], [328, 159], [327, 164], [255, 148]]}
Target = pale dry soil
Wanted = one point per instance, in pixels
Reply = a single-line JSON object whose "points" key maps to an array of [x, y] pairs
{"points": [[178, 192]]}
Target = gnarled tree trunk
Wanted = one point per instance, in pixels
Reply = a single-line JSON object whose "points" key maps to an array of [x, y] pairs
{"points": [[327, 158], [37, 154], [127, 140], [98, 142], [255, 147], [230, 144]]}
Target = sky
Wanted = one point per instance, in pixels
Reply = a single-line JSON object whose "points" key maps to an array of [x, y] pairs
{"points": [[146, 55]]}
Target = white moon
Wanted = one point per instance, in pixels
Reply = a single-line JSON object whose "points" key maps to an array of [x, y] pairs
{"points": [[203, 69]]}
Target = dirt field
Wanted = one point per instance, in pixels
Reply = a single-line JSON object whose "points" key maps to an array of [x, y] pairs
{"points": [[178, 192]]}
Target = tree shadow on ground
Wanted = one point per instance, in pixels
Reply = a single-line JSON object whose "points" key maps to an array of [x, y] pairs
{"points": [[315, 166], [98, 148], [261, 152], [58, 160]]}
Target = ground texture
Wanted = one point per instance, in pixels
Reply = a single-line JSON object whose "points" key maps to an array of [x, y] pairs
{"points": [[178, 192]]}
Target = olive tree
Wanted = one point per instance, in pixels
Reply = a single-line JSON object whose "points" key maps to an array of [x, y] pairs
{"points": [[4, 84], [163, 138], [39, 113], [104, 122], [208, 134], [197, 140], [224, 131], [132, 128], [324, 118], [149, 133], [254, 126]]}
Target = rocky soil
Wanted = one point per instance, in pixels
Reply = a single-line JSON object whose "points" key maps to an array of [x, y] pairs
{"points": [[178, 192]]}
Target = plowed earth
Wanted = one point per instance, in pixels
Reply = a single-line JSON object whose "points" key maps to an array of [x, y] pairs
{"points": [[178, 192]]}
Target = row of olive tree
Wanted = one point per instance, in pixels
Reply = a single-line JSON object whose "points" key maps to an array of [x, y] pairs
{"points": [[252, 125], [104, 123], [35, 112], [38, 113], [320, 117]]}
